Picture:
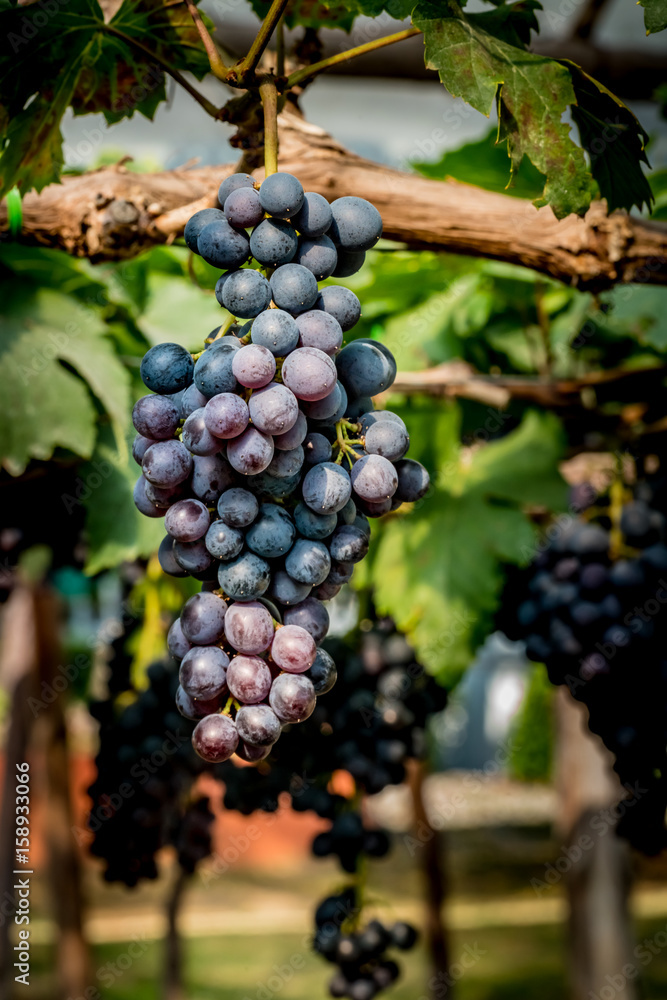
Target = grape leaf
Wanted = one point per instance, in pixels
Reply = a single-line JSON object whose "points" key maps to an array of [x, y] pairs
{"points": [[311, 13], [655, 15], [46, 405], [447, 554]]}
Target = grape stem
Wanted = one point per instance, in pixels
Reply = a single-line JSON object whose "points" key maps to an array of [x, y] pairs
{"points": [[231, 703], [225, 328], [345, 443], [246, 67], [216, 63], [269, 95], [305, 74]]}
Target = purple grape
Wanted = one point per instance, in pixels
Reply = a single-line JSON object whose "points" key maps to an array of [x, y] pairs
{"points": [[196, 436], [311, 615], [387, 438], [191, 400], [321, 330], [316, 449], [258, 725], [348, 544], [215, 738], [323, 673], [377, 416], [243, 209], [203, 672], [251, 452], [141, 501], [287, 591], [340, 573], [167, 463], [318, 255], [326, 488], [177, 642], [233, 183], [273, 409], [167, 559], [140, 445], [167, 368], [326, 409], [327, 591], [341, 303], [248, 679], [226, 415], [155, 417], [196, 710], [187, 520], [293, 437], [196, 223], [249, 627], [238, 507], [292, 697], [162, 497], [314, 217], [252, 754], [194, 558], [375, 509], [374, 478], [223, 541], [202, 619], [254, 366], [413, 480], [286, 464], [276, 330], [293, 649], [211, 476], [309, 373]]}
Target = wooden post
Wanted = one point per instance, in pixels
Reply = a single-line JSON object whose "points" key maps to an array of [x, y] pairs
{"points": [[174, 988]]}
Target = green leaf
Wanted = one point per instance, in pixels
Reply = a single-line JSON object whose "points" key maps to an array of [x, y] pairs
{"points": [[46, 405], [532, 94], [448, 553], [311, 13], [655, 15], [115, 530]]}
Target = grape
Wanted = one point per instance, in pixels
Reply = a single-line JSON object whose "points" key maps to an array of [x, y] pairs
{"points": [[366, 367], [215, 738], [167, 368], [191, 400], [323, 674], [258, 725], [294, 288], [375, 508], [281, 195], [196, 223], [211, 475], [273, 532], [214, 374], [245, 578], [341, 303], [273, 409], [249, 627], [356, 224], [348, 544], [276, 330], [357, 406], [233, 183], [223, 541], [226, 415], [308, 561], [317, 449], [340, 573], [274, 242], [286, 464], [348, 514], [195, 559], [139, 447], [177, 642], [254, 366], [388, 439], [293, 649], [248, 679], [243, 209], [311, 615], [223, 246], [252, 754], [285, 590], [238, 508], [314, 217], [251, 452], [187, 520], [374, 478], [143, 504], [309, 373], [413, 480], [167, 560], [326, 488], [312, 525], [378, 416], [319, 329], [155, 417], [292, 697], [326, 408], [246, 293], [295, 436], [318, 255], [196, 436], [167, 463], [203, 672], [349, 262], [202, 619]]}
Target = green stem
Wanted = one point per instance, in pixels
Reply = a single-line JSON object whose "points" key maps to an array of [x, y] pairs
{"points": [[280, 47], [248, 64], [217, 65], [269, 95], [379, 43], [208, 106]]}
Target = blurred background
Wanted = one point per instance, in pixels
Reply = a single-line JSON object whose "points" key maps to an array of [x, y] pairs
{"points": [[493, 778]]}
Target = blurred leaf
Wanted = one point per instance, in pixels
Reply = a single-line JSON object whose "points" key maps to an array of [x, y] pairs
{"points": [[178, 311], [655, 15], [658, 182], [533, 729]]}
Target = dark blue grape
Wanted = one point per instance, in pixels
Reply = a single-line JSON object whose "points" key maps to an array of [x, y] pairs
{"points": [[211, 476], [191, 400], [310, 615], [196, 223], [167, 368], [287, 591], [213, 373], [356, 224], [314, 217], [273, 532], [312, 525], [223, 246], [258, 725], [246, 293], [308, 562], [274, 242], [341, 303], [195, 559], [233, 183], [323, 674], [243, 208], [413, 480], [196, 436], [276, 330], [294, 288], [349, 262], [318, 255], [238, 507], [167, 560], [366, 367], [281, 195], [223, 541], [245, 578], [326, 488], [316, 449], [143, 504], [348, 544]]}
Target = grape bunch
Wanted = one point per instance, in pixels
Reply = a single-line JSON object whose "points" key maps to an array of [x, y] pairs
{"points": [[360, 954], [265, 457], [593, 608], [142, 795]]}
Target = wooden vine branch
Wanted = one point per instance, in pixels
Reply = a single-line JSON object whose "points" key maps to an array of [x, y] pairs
{"points": [[111, 214]]}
